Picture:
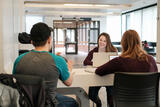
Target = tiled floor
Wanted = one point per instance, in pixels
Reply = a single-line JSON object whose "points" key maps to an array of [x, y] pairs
{"points": [[77, 60]]}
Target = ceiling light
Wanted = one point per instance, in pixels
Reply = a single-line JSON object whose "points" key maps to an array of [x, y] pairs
{"points": [[87, 6], [102, 5], [64, 22], [78, 5]]}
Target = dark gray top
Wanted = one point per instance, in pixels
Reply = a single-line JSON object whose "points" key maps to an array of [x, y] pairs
{"points": [[43, 64]]}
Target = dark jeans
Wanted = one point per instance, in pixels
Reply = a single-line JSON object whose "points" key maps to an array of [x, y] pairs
{"points": [[65, 101], [93, 95]]}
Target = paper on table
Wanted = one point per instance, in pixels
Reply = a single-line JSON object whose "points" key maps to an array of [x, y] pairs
{"points": [[91, 70]]}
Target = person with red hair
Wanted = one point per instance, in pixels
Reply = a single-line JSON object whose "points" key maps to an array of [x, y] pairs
{"points": [[132, 59]]}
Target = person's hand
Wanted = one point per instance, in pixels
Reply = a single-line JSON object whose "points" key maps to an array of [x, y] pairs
{"points": [[58, 53], [69, 64]]}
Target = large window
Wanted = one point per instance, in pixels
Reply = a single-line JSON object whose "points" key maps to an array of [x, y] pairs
{"points": [[124, 27], [135, 21], [71, 35], [59, 36], [113, 28], [31, 20], [143, 21], [149, 26]]}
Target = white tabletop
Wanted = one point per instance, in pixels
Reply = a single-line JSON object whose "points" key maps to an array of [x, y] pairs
{"points": [[81, 78]]}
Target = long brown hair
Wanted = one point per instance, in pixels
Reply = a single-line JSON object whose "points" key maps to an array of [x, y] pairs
{"points": [[109, 46], [131, 46]]}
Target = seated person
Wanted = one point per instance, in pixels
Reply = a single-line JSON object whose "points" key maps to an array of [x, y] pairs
{"points": [[146, 44], [104, 45], [40, 62], [132, 59]]}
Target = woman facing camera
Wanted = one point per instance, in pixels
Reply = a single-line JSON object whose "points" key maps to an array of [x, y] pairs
{"points": [[104, 45]]}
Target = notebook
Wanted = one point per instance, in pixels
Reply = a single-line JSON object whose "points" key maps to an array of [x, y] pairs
{"points": [[90, 69], [100, 58]]}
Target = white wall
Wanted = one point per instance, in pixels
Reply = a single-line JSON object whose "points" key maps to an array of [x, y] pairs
{"points": [[49, 20], [114, 27], [1, 38], [103, 23], [158, 32], [10, 25]]}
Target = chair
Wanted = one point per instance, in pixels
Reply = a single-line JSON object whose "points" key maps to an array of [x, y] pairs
{"points": [[80, 93], [136, 90], [34, 88]]}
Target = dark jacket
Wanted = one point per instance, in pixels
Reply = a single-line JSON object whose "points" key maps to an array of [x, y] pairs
{"points": [[88, 60]]}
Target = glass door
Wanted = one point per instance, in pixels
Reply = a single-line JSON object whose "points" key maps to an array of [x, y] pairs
{"points": [[93, 33], [71, 41]]}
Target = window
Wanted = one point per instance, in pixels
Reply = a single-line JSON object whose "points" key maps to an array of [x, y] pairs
{"points": [[123, 24], [135, 21], [143, 21], [149, 24], [71, 35], [60, 38], [31, 20]]}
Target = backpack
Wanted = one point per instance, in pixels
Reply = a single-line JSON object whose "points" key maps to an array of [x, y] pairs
{"points": [[11, 81], [24, 38]]}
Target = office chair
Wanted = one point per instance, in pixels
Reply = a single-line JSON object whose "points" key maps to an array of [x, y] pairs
{"points": [[136, 90], [33, 87]]}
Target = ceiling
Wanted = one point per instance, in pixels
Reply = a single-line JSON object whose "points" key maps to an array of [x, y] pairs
{"points": [[82, 8]]}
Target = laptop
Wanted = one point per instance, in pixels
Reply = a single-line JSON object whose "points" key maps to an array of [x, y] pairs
{"points": [[100, 58]]}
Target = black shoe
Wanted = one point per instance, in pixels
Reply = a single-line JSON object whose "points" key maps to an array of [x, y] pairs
{"points": [[99, 104], [110, 105]]}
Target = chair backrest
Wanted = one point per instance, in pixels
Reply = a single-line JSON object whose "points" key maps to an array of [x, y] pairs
{"points": [[34, 88], [136, 90]]}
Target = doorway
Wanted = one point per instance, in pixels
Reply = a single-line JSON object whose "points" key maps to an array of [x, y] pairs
{"points": [[65, 36], [73, 36], [71, 41]]}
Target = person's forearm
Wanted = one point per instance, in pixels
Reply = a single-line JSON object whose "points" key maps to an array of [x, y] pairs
{"points": [[86, 62]]}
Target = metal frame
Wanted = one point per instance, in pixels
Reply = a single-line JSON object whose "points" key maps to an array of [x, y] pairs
{"points": [[80, 93]]}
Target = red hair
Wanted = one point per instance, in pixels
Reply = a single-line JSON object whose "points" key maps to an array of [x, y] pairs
{"points": [[131, 46]]}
